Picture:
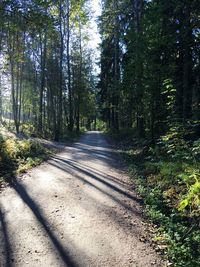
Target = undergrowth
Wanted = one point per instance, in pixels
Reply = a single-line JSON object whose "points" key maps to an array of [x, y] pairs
{"points": [[18, 152], [17, 156], [168, 178]]}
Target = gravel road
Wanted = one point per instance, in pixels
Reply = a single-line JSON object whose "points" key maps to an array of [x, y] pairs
{"points": [[79, 209]]}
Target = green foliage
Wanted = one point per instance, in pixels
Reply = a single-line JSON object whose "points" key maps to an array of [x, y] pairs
{"points": [[167, 175], [191, 201], [196, 148], [177, 171], [100, 125], [19, 155], [126, 135], [28, 129], [170, 93], [181, 229], [174, 145]]}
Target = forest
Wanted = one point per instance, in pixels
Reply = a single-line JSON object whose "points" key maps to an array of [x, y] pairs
{"points": [[140, 86], [46, 68]]}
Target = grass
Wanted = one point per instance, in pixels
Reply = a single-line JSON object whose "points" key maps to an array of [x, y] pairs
{"points": [[168, 178]]}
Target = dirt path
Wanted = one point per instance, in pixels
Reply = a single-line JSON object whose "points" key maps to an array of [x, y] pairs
{"points": [[79, 209]]}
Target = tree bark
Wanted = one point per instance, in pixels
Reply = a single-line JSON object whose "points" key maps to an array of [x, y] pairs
{"points": [[60, 94], [71, 120], [43, 48], [187, 65], [138, 12]]}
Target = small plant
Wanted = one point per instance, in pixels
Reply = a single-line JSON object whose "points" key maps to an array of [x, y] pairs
{"points": [[167, 176], [19, 155]]}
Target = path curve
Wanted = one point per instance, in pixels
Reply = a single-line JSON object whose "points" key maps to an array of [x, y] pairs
{"points": [[79, 209]]}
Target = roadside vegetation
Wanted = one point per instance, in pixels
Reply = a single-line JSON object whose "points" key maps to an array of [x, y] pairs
{"points": [[167, 174], [22, 151], [19, 155], [144, 77]]}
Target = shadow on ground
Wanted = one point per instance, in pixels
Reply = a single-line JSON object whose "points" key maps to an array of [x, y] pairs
{"points": [[5, 241]]}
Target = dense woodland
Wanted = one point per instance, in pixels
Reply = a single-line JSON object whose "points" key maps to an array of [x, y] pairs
{"points": [[150, 82], [146, 94], [150, 64], [46, 66]]}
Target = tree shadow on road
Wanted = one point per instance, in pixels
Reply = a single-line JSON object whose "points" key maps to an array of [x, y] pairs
{"points": [[98, 177], [129, 210], [110, 178], [83, 152], [82, 175], [64, 254], [6, 242]]}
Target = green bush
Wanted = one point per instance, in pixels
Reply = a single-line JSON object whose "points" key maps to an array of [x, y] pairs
{"points": [[19, 155], [167, 175]]}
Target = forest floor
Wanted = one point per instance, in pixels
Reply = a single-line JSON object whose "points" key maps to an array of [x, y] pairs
{"points": [[77, 209]]}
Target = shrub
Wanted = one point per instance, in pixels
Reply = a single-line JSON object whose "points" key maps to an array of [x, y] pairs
{"points": [[168, 178], [19, 155]]}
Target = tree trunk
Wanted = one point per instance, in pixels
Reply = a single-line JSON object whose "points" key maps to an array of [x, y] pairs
{"points": [[138, 12], [80, 79], [59, 116], [71, 120], [187, 65], [43, 48], [1, 107], [116, 69]]}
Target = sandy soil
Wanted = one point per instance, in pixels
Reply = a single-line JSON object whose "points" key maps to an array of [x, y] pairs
{"points": [[79, 209]]}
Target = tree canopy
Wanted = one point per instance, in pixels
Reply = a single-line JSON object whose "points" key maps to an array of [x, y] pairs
{"points": [[46, 75], [149, 64]]}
